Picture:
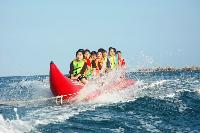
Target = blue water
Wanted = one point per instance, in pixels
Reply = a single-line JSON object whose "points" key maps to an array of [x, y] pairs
{"points": [[159, 102]]}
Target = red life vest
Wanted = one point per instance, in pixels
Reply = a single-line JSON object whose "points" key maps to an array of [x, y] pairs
{"points": [[121, 61], [88, 62]]}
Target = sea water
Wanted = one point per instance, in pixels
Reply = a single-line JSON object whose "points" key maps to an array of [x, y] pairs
{"points": [[158, 102]]}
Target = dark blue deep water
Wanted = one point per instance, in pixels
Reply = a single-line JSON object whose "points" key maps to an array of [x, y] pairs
{"points": [[159, 102]]}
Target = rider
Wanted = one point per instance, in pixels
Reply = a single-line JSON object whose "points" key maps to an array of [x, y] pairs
{"points": [[106, 64], [93, 62], [93, 57], [87, 56], [121, 61], [112, 58], [88, 60], [78, 67], [99, 62]]}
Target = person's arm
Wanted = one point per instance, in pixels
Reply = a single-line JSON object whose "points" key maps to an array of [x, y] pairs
{"points": [[99, 65], [83, 69], [93, 64], [108, 63], [71, 70]]}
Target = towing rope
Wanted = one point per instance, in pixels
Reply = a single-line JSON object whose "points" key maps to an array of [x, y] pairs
{"points": [[59, 100]]}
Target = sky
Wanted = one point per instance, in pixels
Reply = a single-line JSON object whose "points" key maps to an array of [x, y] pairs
{"points": [[148, 32]]}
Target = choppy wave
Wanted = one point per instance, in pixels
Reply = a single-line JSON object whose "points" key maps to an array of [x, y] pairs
{"points": [[159, 102]]}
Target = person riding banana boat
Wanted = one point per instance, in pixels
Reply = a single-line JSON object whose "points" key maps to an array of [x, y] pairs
{"points": [[112, 58], [78, 67], [121, 60], [99, 63], [93, 62], [88, 60], [106, 65]]}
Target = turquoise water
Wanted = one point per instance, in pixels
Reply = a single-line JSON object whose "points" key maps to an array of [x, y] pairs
{"points": [[159, 102]]}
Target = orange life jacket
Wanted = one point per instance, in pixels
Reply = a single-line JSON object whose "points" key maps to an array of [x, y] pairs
{"points": [[88, 61]]}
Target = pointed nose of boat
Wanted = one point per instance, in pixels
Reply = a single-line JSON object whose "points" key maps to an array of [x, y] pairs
{"points": [[51, 62], [61, 85]]}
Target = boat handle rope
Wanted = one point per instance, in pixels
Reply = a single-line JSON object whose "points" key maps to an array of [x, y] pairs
{"points": [[59, 100]]}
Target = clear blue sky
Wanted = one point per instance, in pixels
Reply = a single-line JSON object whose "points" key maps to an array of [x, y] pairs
{"points": [[149, 32]]}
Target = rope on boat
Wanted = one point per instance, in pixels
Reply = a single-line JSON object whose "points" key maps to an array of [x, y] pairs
{"points": [[16, 102], [59, 100]]}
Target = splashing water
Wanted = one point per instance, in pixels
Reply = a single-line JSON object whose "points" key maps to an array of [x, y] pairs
{"points": [[159, 102]]}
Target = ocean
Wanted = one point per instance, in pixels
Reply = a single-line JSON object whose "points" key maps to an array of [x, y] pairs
{"points": [[158, 102]]}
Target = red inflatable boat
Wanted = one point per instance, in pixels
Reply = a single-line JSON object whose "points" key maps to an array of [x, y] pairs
{"points": [[62, 86]]}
